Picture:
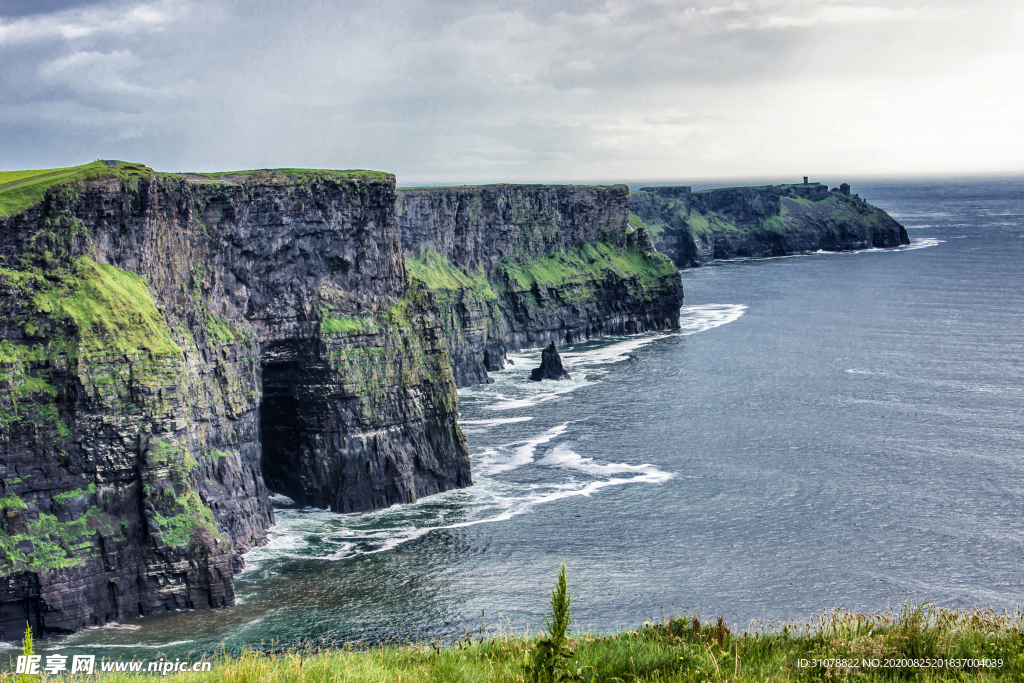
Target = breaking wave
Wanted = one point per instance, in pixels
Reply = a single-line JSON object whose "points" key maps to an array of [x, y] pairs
{"points": [[520, 464]]}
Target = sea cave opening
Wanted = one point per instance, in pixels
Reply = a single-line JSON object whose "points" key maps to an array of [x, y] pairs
{"points": [[284, 413]]}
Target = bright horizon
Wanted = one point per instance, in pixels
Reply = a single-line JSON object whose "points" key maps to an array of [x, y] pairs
{"points": [[672, 92]]}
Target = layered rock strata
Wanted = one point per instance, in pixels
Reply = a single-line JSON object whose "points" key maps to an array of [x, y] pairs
{"points": [[694, 228], [517, 266], [169, 346]]}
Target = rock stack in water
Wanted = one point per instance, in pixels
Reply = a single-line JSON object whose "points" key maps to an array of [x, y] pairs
{"points": [[550, 366]]}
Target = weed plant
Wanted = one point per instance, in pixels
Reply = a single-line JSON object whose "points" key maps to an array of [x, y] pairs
{"points": [[551, 651]]}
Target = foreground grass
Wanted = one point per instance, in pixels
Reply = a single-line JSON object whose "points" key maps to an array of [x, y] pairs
{"points": [[684, 650]]}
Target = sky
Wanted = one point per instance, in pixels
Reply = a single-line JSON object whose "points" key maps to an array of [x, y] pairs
{"points": [[547, 91]]}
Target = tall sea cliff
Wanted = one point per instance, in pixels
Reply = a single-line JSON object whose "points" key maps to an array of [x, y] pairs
{"points": [[172, 345], [694, 228], [517, 266]]}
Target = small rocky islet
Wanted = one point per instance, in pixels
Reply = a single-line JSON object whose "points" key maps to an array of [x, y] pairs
{"points": [[550, 366], [175, 347]]}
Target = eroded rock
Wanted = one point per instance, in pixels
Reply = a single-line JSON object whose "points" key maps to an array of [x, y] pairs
{"points": [[550, 366]]}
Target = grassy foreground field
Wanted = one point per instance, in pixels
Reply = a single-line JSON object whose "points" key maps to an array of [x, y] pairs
{"points": [[917, 643]]}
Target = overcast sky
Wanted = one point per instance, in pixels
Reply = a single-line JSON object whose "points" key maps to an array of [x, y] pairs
{"points": [[549, 91]]}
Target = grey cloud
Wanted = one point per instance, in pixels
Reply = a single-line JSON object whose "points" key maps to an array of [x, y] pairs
{"points": [[478, 91], [21, 8]]}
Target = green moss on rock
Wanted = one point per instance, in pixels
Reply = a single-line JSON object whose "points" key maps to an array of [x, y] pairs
{"points": [[440, 275]]}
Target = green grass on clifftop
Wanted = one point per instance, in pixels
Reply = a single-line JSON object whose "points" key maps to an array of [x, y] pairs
{"points": [[272, 174], [21, 189], [917, 643]]}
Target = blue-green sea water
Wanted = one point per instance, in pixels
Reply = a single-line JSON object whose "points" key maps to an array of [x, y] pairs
{"points": [[829, 430]]}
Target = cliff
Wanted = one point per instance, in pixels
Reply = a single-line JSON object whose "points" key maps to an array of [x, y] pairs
{"points": [[517, 266], [170, 347], [694, 228]]}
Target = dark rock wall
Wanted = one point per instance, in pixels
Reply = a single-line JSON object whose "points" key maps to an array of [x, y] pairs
{"points": [[131, 466], [480, 225], [517, 266], [694, 228]]}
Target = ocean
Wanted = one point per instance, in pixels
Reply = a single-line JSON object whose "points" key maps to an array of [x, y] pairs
{"points": [[826, 430]]}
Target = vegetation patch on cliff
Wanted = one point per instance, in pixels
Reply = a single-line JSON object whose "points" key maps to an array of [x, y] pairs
{"points": [[194, 520], [335, 323], [587, 262], [52, 544], [396, 358], [438, 274], [99, 310]]}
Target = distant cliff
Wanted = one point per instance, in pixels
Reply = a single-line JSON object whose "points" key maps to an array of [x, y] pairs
{"points": [[694, 228], [170, 346], [517, 266]]}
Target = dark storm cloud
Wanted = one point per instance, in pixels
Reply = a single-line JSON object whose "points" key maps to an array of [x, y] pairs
{"points": [[473, 91]]}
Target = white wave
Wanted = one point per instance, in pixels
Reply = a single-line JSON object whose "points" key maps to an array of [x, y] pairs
{"points": [[321, 535], [844, 252], [511, 456], [126, 647], [497, 421], [544, 392], [918, 243], [857, 371], [701, 318], [922, 243], [470, 427], [114, 626], [7, 646], [612, 353], [563, 456]]}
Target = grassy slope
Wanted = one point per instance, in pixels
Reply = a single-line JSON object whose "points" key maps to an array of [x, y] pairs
{"points": [[677, 651], [839, 207], [21, 189]]}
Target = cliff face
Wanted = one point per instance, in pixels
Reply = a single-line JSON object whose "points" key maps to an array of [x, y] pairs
{"points": [[517, 266], [169, 347], [694, 228]]}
